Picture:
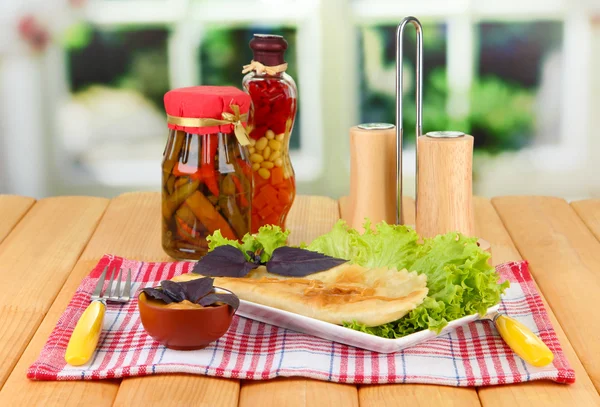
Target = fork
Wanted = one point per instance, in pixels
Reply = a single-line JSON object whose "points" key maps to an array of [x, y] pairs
{"points": [[85, 336]]}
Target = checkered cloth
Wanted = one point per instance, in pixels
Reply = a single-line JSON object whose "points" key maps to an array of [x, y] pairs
{"points": [[472, 355]]}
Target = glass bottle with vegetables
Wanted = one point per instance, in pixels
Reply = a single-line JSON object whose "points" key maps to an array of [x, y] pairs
{"points": [[206, 170], [274, 101]]}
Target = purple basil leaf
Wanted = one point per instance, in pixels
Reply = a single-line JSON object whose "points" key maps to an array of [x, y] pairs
{"points": [[157, 295], [196, 289], [248, 267], [173, 290], [224, 261], [229, 299], [296, 262]]}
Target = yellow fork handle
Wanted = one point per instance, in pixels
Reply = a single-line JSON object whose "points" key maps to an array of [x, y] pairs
{"points": [[523, 342], [85, 336]]}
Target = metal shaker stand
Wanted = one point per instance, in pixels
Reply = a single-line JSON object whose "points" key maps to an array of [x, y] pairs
{"points": [[419, 103], [419, 113]]}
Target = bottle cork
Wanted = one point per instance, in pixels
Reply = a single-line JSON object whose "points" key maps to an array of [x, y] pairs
{"points": [[445, 184], [372, 174]]}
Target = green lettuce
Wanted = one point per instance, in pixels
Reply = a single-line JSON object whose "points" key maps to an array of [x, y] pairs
{"points": [[341, 242], [267, 239], [393, 246]]}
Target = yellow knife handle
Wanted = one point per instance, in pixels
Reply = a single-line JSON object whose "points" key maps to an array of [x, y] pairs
{"points": [[523, 342], [85, 336]]}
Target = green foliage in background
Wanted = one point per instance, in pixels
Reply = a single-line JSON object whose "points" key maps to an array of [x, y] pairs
{"points": [[501, 114], [502, 94], [77, 36], [125, 57]]}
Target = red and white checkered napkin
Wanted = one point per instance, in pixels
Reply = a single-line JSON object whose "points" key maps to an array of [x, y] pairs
{"points": [[473, 355]]}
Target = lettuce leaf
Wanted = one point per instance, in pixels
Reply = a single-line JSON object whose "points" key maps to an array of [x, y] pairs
{"points": [[340, 242], [267, 239], [393, 246]]}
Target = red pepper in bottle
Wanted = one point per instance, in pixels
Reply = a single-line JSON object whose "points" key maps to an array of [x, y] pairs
{"points": [[274, 98], [210, 143], [240, 189], [182, 170]]}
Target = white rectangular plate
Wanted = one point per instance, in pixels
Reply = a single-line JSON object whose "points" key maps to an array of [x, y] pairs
{"points": [[336, 333]]}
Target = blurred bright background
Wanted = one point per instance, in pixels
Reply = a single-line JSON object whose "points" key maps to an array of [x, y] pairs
{"points": [[81, 86]]}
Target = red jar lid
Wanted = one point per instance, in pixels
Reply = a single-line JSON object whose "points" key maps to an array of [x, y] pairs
{"points": [[205, 102]]}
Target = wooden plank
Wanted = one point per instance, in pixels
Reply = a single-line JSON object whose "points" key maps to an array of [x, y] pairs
{"points": [[179, 390], [589, 212], [391, 395], [564, 258], [35, 260], [408, 210], [417, 394], [543, 393], [294, 392], [309, 217], [130, 228], [12, 208], [344, 204]]}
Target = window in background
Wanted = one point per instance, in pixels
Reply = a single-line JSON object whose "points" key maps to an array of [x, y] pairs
{"points": [[123, 59], [112, 125], [377, 77], [517, 86], [225, 51], [512, 97]]}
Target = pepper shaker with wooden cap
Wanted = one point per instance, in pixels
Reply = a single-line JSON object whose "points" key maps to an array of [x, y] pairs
{"points": [[372, 175]]}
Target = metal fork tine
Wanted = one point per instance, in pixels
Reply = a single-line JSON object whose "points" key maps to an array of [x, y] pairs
{"points": [[117, 292], [109, 289], [127, 288], [100, 284]]}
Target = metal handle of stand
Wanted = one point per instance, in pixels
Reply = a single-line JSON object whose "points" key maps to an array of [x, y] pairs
{"points": [[419, 102]]}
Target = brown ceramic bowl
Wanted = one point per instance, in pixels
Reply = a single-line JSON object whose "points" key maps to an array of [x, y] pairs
{"points": [[184, 329]]}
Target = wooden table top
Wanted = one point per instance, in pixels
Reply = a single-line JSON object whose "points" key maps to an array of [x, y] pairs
{"points": [[48, 246]]}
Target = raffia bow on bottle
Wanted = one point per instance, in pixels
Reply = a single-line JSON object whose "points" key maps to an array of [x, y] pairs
{"points": [[227, 118], [260, 68]]}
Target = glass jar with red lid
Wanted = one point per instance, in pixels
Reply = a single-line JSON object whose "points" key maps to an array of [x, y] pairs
{"points": [[206, 170], [270, 124]]}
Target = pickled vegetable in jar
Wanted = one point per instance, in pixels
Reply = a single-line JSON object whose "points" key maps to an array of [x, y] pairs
{"points": [[272, 115], [206, 169]]}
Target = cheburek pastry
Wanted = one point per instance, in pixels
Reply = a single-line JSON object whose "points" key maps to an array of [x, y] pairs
{"points": [[346, 293]]}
